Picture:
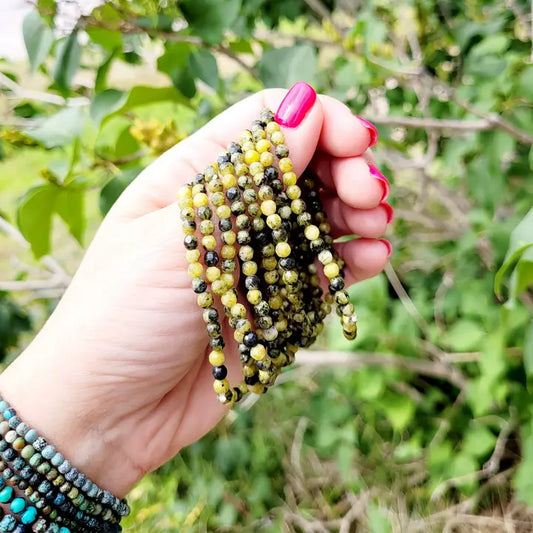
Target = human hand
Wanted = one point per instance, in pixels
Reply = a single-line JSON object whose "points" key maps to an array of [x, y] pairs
{"points": [[118, 379]]}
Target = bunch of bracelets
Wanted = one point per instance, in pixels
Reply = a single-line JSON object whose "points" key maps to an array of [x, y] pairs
{"points": [[278, 233], [41, 492]]}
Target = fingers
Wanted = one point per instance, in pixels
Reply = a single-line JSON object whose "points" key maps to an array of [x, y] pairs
{"points": [[364, 258]]}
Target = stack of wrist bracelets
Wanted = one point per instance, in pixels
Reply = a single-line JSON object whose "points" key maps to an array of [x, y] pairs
{"points": [[275, 232], [41, 492]]}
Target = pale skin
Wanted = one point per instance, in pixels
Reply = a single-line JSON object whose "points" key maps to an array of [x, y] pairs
{"points": [[118, 378]]}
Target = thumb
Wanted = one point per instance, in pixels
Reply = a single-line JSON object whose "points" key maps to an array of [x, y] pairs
{"points": [[301, 116]]}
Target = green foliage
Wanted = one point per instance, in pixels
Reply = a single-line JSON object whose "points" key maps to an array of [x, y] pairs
{"points": [[442, 393]]}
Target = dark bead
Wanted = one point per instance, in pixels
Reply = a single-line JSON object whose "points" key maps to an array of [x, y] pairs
{"points": [[245, 358], [272, 290], [251, 282], [276, 185], [274, 314], [251, 380], [287, 263], [50, 495], [9, 454], [228, 265], [223, 158], [72, 474], [3, 445], [264, 322], [212, 314], [233, 194], [34, 480], [205, 212], [336, 284], [214, 329], [271, 173], [262, 238], [245, 182], [23, 484], [26, 472], [225, 224], [243, 222], [258, 124], [8, 473], [198, 179], [286, 225], [266, 115], [199, 285], [191, 243], [282, 151], [40, 444], [243, 349], [217, 342], [262, 308], [243, 237], [234, 148], [238, 208], [189, 224], [318, 245], [107, 498], [14, 421], [220, 372], [211, 259], [279, 235], [251, 339]]}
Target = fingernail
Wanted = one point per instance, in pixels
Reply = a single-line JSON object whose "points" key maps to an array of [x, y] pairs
{"points": [[296, 104], [372, 130], [388, 245], [389, 210], [384, 182]]}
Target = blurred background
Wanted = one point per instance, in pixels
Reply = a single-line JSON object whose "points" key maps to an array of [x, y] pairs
{"points": [[425, 422]]}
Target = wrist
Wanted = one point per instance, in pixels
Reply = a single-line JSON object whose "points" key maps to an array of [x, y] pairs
{"points": [[49, 398]]}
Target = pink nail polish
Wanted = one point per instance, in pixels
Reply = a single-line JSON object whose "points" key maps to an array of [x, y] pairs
{"points": [[372, 130], [389, 211], [388, 245], [296, 104], [384, 182]]}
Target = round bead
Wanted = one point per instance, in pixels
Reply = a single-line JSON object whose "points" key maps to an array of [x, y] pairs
{"points": [[331, 270], [312, 232], [283, 249], [268, 207]]}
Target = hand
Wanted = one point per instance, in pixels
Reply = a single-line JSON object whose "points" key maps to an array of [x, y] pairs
{"points": [[118, 379]]}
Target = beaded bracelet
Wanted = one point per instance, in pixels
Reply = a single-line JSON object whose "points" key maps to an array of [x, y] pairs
{"points": [[282, 234], [51, 483]]}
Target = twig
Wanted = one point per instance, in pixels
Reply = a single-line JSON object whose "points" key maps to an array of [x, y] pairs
{"points": [[27, 94], [433, 123], [296, 447], [323, 13]]}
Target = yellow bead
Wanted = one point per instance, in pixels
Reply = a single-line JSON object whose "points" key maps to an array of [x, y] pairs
{"points": [[212, 274], [285, 164], [221, 386], [241, 169], [268, 207], [281, 325], [246, 253], [258, 352], [248, 145], [197, 189], [249, 369], [251, 156], [229, 180], [331, 270], [298, 206], [249, 268], [185, 192], [289, 178], [283, 249], [187, 213], [290, 277], [227, 251], [271, 277], [311, 232], [277, 137], [229, 299], [238, 336], [274, 221], [209, 242], [205, 300], [238, 311], [263, 145], [256, 168], [216, 358], [219, 287], [246, 326], [223, 211], [229, 237], [293, 192], [185, 202], [257, 388], [200, 199], [214, 186], [207, 227], [271, 127], [245, 135], [228, 279], [266, 159], [195, 270], [254, 296], [269, 263], [192, 256], [228, 169], [188, 230]]}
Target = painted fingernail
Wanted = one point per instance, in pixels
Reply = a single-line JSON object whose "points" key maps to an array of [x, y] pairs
{"points": [[372, 130], [389, 211], [296, 104], [388, 245], [384, 182]]}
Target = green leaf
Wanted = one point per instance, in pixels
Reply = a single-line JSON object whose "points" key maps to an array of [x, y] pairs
{"points": [[478, 441], [59, 129], [377, 520], [68, 55], [38, 38], [70, 207], [282, 67], [241, 46], [465, 335], [528, 351], [209, 19], [523, 480], [107, 39], [203, 65], [399, 410], [114, 188], [175, 63], [183, 80], [102, 72], [105, 103], [34, 217]]}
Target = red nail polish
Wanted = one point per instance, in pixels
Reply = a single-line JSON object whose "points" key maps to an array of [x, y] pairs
{"points": [[382, 179], [296, 104], [389, 211], [372, 130], [388, 245]]}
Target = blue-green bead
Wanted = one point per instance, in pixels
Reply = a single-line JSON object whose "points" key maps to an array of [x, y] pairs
{"points": [[53, 528], [3, 405], [57, 459], [48, 452], [6, 494], [64, 530], [29, 516], [8, 413], [18, 505], [36, 460], [2, 483], [31, 436], [8, 523], [22, 429]]}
